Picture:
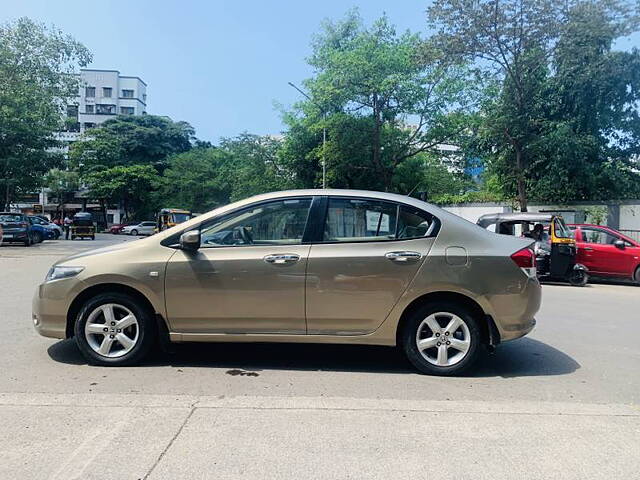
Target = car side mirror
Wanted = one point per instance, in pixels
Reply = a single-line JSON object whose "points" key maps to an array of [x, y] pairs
{"points": [[190, 240], [619, 244]]}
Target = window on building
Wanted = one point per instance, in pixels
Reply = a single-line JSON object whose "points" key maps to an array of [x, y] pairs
{"points": [[106, 92], [127, 111], [105, 109], [89, 109], [127, 93], [144, 97], [89, 91]]}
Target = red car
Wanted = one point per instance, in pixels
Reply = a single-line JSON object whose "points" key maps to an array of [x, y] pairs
{"points": [[117, 228], [607, 252]]}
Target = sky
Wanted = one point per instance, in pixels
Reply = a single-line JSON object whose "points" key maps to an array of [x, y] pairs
{"points": [[220, 65]]}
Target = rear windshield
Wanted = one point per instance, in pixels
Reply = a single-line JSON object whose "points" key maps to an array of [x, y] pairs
{"points": [[7, 217]]}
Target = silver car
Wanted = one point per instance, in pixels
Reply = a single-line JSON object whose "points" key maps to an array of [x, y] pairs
{"points": [[142, 228], [309, 266]]}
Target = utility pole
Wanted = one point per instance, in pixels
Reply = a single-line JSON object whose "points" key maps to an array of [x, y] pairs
{"points": [[324, 135]]}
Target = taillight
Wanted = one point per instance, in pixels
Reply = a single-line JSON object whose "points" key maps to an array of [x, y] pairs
{"points": [[526, 260]]}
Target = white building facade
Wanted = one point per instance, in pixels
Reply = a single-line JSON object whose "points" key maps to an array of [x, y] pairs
{"points": [[103, 95]]}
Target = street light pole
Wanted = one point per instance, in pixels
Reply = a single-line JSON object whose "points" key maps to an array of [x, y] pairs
{"points": [[324, 135]]}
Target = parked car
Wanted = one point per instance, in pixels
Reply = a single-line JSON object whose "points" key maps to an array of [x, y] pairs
{"points": [[607, 252], [16, 227], [117, 228], [39, 232], [309, 266], [142, 228], [47, 229]]}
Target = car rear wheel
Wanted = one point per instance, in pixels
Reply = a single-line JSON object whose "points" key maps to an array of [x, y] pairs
{"points": [[636, 275], [441, 338], [113, 329]]}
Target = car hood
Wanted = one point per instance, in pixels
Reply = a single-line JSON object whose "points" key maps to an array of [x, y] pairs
{"points": [[99, 251]]}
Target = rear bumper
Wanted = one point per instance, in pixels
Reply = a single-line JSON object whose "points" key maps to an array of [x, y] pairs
{"points": [[515, 313]]}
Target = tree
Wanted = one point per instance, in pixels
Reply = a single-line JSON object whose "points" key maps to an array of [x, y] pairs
{"points": [[61, 184], [132, 185], [131, 140], [193, 180], [400, 94], [251, 165], [522, 43], [37, 81]]}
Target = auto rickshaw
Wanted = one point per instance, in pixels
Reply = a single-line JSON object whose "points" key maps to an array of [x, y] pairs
{"points": [[555, 247], [83, 226], [170, 217]]}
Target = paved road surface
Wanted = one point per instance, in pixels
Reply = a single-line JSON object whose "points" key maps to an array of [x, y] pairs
{"points": [[561, 403]]}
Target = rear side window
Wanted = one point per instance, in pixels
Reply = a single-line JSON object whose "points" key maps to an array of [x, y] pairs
{"points": [[368, 220]]}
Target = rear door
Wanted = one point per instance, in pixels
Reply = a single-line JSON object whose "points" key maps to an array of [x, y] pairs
{"points": [[366, 255]]}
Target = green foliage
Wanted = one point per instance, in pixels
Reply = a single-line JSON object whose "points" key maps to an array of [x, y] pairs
{"points": [[61, 183], [564, 123], [131, 184], [193, 180], [36, 81], [131, 140], [383, 97], [596, 215]]}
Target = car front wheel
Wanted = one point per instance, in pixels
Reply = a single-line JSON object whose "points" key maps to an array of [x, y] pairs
{"points": [[134, 233], [113, 329], [441, 338], [636, 275]]}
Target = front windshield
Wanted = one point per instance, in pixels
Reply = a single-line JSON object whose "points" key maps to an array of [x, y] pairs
{"points": [[180, 217], [561, 229]]}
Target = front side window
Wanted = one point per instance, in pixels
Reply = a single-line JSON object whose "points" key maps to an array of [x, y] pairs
{"points": [[595, 235], [280, 222], [560, 228]]}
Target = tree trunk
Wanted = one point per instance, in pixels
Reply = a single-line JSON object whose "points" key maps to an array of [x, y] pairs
{"points": [[522, 191], [377, 147]]}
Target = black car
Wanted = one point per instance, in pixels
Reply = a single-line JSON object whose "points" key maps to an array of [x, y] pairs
{"points": [[16, 228]]}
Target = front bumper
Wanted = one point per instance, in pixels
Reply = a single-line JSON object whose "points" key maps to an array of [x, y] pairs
{"points": [[50, 306]]}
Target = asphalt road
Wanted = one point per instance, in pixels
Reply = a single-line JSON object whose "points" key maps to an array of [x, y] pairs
{"points": [[563, 402]]}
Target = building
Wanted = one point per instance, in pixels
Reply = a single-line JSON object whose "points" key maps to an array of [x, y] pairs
{"points": [[103, 95]]}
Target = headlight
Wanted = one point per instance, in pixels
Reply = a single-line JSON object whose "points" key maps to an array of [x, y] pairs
{"points": [[56, 273]]}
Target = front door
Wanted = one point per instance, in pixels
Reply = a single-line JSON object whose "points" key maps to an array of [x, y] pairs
{"points": [[369, 253], [248, 275]]}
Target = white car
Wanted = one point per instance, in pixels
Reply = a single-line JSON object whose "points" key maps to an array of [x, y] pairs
{"points": [[142, 228]]}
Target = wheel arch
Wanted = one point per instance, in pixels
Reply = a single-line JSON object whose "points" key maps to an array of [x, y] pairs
{"points": [[488, 329], [92, 291]]}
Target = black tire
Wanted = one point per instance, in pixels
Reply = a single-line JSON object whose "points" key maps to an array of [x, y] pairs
{"points": [[134, 233], [56, 234], [27, 242], [636, 275], [146, 335], [37, 237], [578, 278], [410, 331]]}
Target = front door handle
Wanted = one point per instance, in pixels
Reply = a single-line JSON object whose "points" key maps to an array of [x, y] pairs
{"points": [[587, 249], [403, 257], [281, 259]]}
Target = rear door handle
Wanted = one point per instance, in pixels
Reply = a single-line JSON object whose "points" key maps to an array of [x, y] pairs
{"points": [[403, 257], [281, 259], [587, 249]]}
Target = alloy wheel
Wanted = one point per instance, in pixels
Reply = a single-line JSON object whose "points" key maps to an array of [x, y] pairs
{"points": [[443, 339], [112, 330]]}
